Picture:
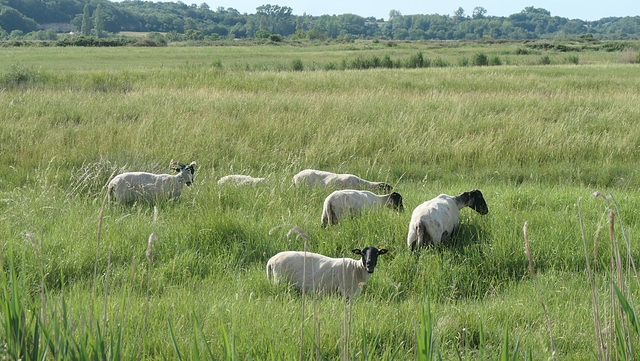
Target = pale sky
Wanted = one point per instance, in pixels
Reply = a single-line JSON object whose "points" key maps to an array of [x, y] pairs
{"points": [[571, 9]]}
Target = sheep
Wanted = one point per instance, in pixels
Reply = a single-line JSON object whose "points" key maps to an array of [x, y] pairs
{"points": [[133, 186], [435, 220], [317, 273], [350, 201], [237, 179], [314, 177]]}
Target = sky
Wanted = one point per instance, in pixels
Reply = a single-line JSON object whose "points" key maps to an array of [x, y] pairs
{"points": [[571, 9]]}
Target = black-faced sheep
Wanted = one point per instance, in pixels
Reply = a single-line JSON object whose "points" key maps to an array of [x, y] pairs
{"points": [[435, 220], [141, 186], [312, 177], [352, 202], [317, 273]]}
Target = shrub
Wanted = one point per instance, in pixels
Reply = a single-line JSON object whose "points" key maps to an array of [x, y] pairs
{"points": [[545, 60], [19, 76], [464, 61], [416, 61], [297, 65], [440, 63], [495, 60], [147, 42], [480, 59], [276, 38], [330, 66], [572, 59], [262, 34], [387, 62]]}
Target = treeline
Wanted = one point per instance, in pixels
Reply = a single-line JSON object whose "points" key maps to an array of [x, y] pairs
{"points": [[102, 18]]}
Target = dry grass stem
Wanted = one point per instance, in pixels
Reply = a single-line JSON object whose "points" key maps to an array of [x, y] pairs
{"points": [[533, 275], [600, 345]]}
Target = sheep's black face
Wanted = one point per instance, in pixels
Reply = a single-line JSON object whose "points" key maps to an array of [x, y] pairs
{"points": [[478, 203], [370, 256], [396, 201], [384, 187], [186, 171]]}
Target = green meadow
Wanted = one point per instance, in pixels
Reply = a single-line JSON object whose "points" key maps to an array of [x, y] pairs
{"points": [[538, 138]]}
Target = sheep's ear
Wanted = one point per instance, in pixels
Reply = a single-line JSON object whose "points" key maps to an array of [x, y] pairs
{"points": [[382, 251], [356, 251], [176, 166]]}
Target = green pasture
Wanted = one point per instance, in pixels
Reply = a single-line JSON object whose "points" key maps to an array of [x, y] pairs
{"points": [[537, 140], [276, 57]]}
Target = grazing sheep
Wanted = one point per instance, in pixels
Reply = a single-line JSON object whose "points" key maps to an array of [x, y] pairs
{"points": [[314, 177], [318, 273], [435, 220], [349, 201], [134, 186], [238, 180]]}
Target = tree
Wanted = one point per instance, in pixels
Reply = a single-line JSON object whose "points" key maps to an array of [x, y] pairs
{"points": [[394, 14], [459, 14], [11, 19], [299, 24], [86, 21], [479, 12], [193, 34], [99, 21]]}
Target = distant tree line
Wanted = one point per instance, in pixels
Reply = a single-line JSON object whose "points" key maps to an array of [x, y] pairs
{"points": [[25, 19]]}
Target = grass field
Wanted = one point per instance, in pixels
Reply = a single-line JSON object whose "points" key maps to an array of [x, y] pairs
{"points": [[536, 140]]}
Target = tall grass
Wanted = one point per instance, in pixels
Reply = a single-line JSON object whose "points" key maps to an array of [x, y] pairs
{"points": [[532, 138]]}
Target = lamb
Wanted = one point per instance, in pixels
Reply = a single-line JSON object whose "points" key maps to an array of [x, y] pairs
{"points": [[314, 177], [238, 180], [317, 273], [134, 186], [435, 220], [350, 201]]}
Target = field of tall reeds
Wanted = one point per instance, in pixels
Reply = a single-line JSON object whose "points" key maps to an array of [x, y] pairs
{"points": [[186, 279]]}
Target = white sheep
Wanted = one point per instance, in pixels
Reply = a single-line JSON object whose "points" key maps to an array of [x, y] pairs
{"points": [[312, 177], [136, 186], [435, 220], [317, 273], [350, 201], [238, 180]]}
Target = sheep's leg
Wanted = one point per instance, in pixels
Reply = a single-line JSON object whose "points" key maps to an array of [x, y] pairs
{"points": [[333, 219]]}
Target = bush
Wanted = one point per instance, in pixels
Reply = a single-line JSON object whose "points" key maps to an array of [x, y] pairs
{"points": [[330, 66], [416, 61], [93, 41], [297, 65], [19, 76], [480, 59], [387, 62], [495, 60], [572, 59], [545, 60], [276, 38], [147, 42], [262, 34], [440, 63]]}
